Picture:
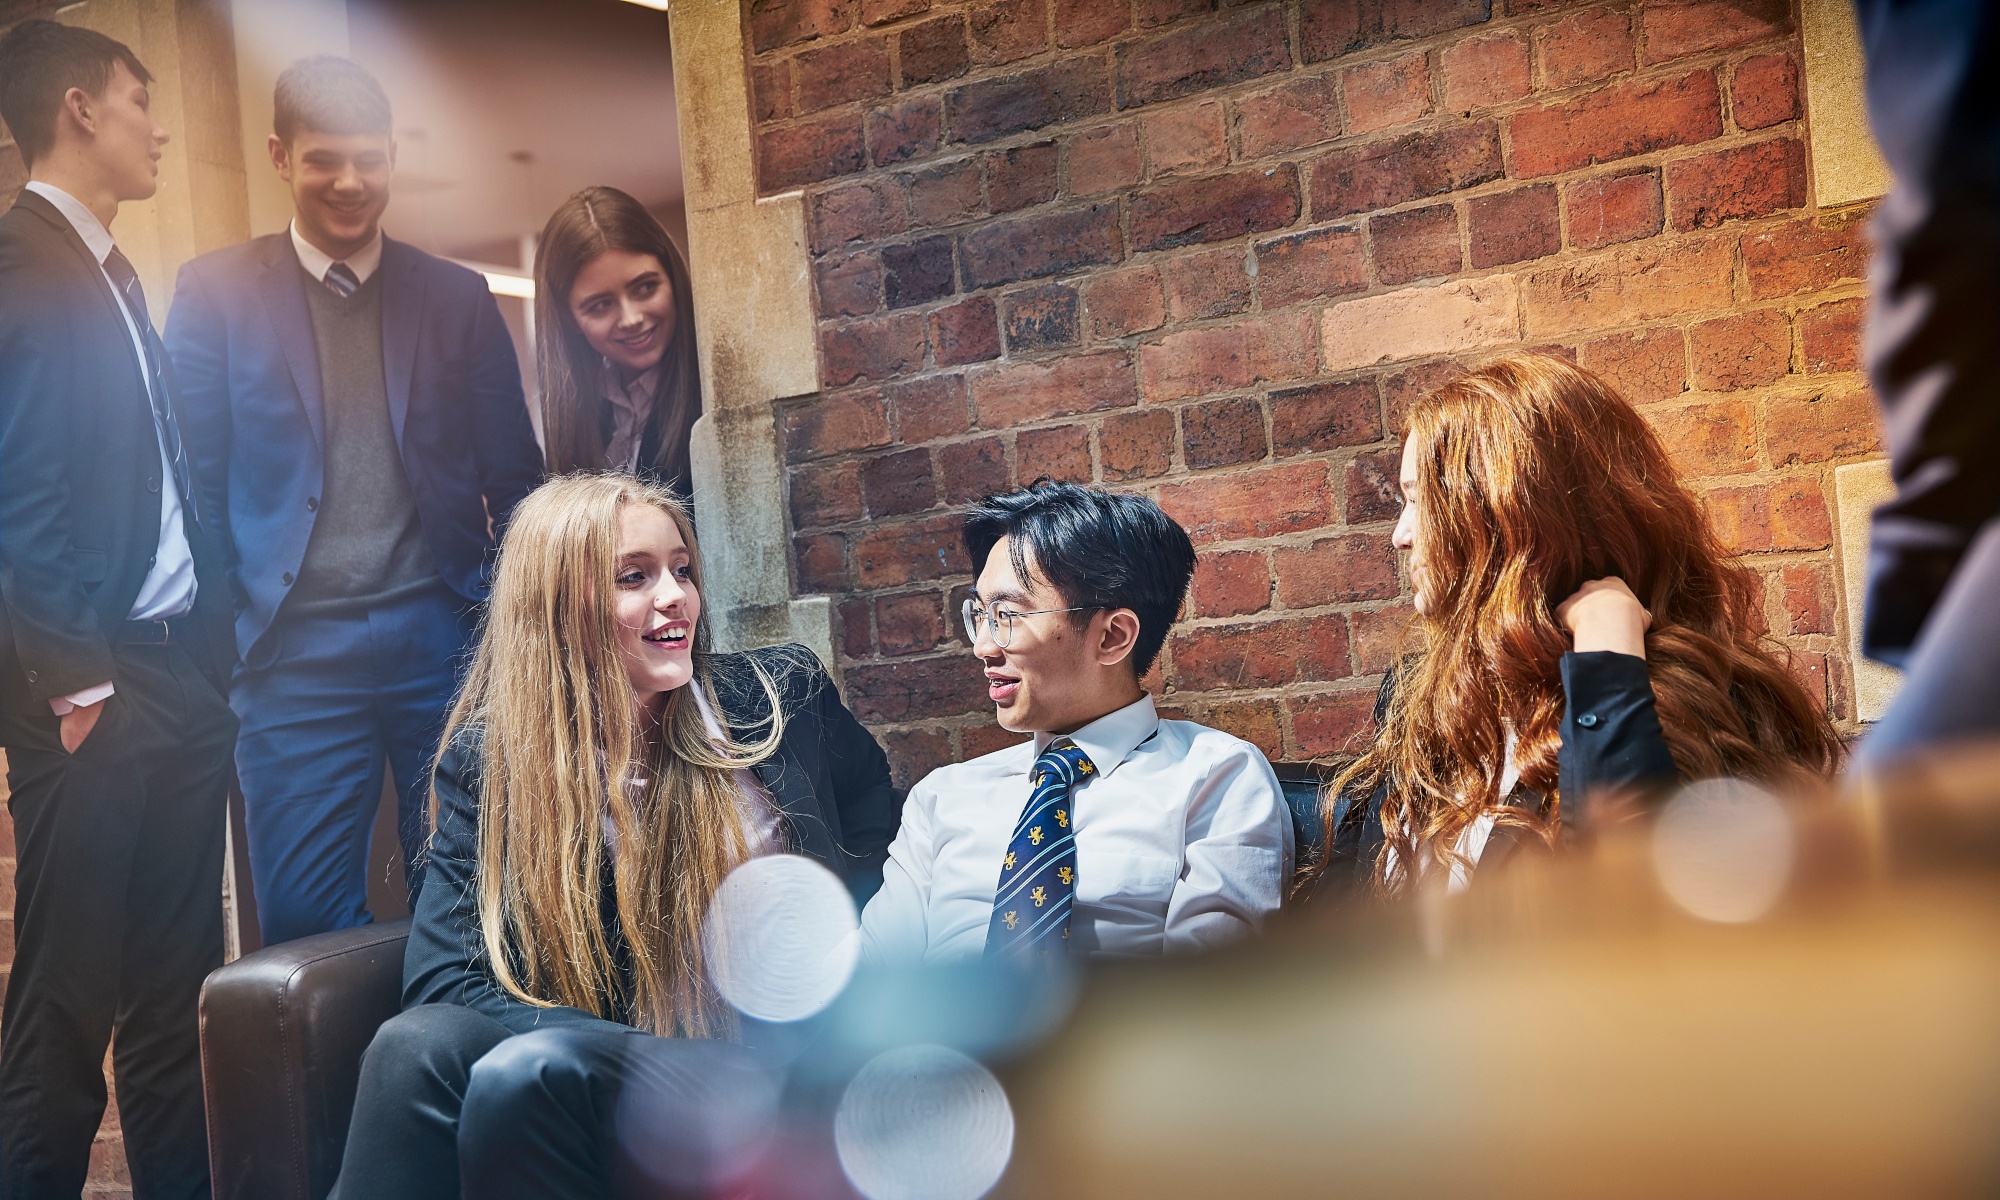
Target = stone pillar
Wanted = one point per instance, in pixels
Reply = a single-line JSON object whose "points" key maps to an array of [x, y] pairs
{"points": [[753, 303]]}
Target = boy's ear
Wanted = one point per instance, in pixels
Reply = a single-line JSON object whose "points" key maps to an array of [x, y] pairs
{"points": [[1120, 636]]}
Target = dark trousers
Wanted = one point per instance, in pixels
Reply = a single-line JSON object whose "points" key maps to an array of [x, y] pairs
{"points": [[323, 706], [117, 920], [450, 1103]]}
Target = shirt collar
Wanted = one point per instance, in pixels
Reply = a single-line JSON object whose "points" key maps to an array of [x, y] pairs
{"points": [[1111, 738], [95, 236], [362, 262]]}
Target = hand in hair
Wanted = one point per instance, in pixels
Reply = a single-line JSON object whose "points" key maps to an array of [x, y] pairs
{"points": [[1603, 614]]}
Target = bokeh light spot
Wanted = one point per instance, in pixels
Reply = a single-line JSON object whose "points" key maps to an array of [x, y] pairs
{"points": [[1723, 849], [923, 1123], [781, 938]]}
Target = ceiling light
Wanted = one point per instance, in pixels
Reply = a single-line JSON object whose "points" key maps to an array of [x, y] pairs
{"points": [[659, 4], [502, 281]]}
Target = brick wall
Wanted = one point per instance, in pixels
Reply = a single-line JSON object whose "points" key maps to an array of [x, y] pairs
{"points": [[1211, 253]]}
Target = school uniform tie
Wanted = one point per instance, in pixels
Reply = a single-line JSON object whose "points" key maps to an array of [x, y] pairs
{"points": [[119, 268], [1037, 893], [341, 278]]}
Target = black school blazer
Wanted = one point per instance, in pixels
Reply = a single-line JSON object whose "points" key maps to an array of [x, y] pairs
{"points": [[828, 777]]}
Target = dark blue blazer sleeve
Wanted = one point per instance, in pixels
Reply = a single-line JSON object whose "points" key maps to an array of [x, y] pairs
{"points": [[870, 803], [503, 436], [197, 342], [1611, 738]]}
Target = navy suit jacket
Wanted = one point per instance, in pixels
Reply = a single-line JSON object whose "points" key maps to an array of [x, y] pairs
{"points": [[241, 338]]}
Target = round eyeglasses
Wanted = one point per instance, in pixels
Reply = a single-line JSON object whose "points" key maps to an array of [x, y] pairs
{"points": [[1001, 621]]}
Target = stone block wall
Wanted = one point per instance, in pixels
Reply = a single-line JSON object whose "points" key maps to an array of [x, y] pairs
{"points": [[1211, 251]]}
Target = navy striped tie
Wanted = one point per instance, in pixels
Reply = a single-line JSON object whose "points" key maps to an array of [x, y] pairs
{"points": [[119, 268], [1037, 893], [342, 279]]}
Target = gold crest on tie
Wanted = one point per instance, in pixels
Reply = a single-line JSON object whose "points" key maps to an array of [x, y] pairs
{"points": [[1011, 919], [1035, 835], [1066, 875], [1039, 896], [1009, 860], [1062, 818]]}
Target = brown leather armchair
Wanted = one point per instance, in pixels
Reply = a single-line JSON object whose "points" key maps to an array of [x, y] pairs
{"points": [[282, 1031]]}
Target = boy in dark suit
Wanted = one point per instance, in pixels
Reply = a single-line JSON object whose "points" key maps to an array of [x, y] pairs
{"points": [[114, 651], [355, 414]]}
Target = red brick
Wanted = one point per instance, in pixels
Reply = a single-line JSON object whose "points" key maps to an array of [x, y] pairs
{"points": [[1830, 336], [1102, 160], [836, 425], [1678, 28], [1814, 672], [1483, 71], [1331, 28], [929, 408], [1155, 13], [1233, 583], [1311, 265], [1374, 488], [1396, 170], [1204, 56], [917, 272], [903, 131], [1740, 351], [988, 109], [1808, 599], [1718, 438], [1335, 570], [1332, 723], [910, 623], [1212, 283], [972, 469], [887, 556], [775, 23], [1817, 426], [1748, 181], [1381, 95], [1060, 452], [915, 753], [1400, 389], [1764, 91], [897, 484], [1088, 22], [1136, 445], [1380, 637], [1254, 503], [1215, 208], [881, 12], [1787, 515], [771, 91], [871, 348], [857, 70], [1620, 207], [109, 1171], [1513, 226], [819, 562], [1584, 47], [850, 286], [1416, 243], [1044, 244], [1641, 282], [1259, 722], [946, 194], [1118, 303], [986, 739], [1222, 433], [1645, 366], [1189, 138], [1294, 114], [1018, 393], [855, 212], [965, 332], [1020, 177], [1262, 654], [916, 689], [1618, 122], [1199, 362], [1008, 30], [825, 494], [1041, 318], [852, 621], [1324, 416], [1804, 256], [809, 152], [934, 51]]}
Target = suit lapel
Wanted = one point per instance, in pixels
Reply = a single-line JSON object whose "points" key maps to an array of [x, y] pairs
{"points": [[402, 312], [114, 311], [285, 305]]}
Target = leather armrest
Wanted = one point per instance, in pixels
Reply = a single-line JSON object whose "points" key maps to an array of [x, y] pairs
{"points": [[282, 1032]]}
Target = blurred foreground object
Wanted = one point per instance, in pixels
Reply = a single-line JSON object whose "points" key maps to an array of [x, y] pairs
{"points": [[1744, 997]]}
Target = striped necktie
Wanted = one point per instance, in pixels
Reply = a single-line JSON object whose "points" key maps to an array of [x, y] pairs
{"points": [[1037, 893], [119, 268], [342, 280]]}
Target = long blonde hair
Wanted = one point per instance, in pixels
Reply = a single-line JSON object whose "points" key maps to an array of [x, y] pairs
{"points": [[559, 734]]}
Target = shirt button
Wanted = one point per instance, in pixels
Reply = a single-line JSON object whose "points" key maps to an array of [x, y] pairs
{"points": [[312, 503], [152, 485], [1587, 720], [34, 678], [288, 579]]}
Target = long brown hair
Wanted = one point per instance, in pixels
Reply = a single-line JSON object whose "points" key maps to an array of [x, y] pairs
{"points": [[1534, 477], [559, 734], [571, 374]]}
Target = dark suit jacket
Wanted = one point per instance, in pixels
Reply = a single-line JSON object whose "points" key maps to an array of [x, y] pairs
{"points": [[828, 777], [242, 342], [80, 471]]}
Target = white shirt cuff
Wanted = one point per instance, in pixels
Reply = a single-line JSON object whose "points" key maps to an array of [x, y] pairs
{"points": [[83, 699]]}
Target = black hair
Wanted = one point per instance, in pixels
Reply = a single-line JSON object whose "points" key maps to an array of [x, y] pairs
{"points": [[40, 61], [1099, 549], [325, 94]]}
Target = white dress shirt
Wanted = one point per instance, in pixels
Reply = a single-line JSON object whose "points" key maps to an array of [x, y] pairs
{"points": [[631, 408], [362, 262], [169, 586], [1183, 843]]}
